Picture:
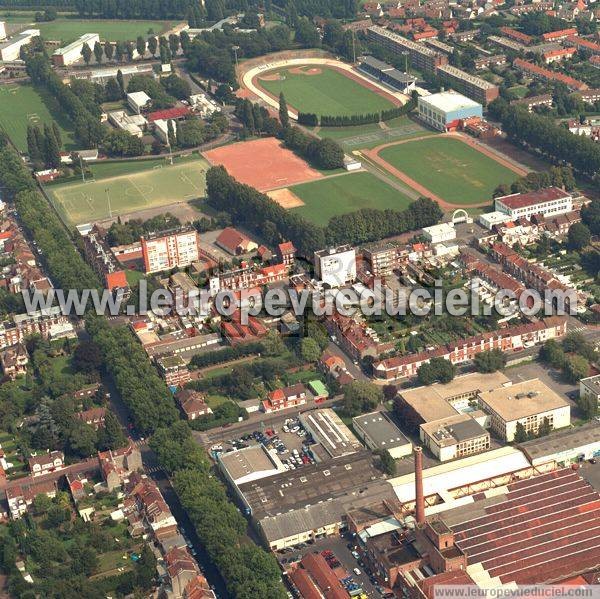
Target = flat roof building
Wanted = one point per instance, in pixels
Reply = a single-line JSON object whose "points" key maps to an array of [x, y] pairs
{"points": [[565, 446], [249, 464], [327, 428], [72, 53], [444, 110], [336, 266], [437, 401], [454, 437], [379, 433], [441, 232], [528, 403], [138, 101]]}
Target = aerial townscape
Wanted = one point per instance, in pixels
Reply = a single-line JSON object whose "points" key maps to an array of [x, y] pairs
{"points": [[299, 299]]}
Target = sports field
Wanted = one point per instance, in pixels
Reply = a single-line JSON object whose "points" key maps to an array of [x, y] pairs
{"points": [[323, 91], [345, 193], [67, 30], [22, 105], [450, 168], [129, 192]]}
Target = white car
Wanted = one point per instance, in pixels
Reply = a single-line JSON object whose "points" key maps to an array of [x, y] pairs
{"points": [[357, 571]]}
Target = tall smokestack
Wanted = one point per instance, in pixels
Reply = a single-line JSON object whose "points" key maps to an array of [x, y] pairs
{"points": [[419, 500]]}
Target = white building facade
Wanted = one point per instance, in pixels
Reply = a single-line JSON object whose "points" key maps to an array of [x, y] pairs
{"points": [[547, 202], [336, 267]]}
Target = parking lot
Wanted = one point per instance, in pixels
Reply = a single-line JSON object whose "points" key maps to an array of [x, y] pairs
{"points": [[341, 548], [291, 442]]}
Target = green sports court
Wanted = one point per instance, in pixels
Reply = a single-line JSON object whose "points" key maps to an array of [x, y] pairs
{"points": [[128, 192]]}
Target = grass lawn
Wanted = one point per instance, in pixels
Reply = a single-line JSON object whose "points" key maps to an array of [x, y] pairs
{"points": [[449, 168], [214, 401], [22, 105], [130, 187], [327, 93], [68, 30], [337, 195], [134, 276], [373, 135]]}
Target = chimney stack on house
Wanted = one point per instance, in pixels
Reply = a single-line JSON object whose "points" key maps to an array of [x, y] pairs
{"points": [[419, 499]]}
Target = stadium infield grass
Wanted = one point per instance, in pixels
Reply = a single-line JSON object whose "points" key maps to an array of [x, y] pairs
{"points": [[332, 196], [131, 190], [23, 105], [448, 167], [328, 93]]}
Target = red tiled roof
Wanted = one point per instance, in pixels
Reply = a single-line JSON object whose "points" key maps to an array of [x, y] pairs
{"points": [[560, 52], [170, 113], [531, 198], [552, 35], [550, 75]]}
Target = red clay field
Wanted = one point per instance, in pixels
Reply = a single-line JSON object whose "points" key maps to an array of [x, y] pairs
{"points": [[263, 163]]}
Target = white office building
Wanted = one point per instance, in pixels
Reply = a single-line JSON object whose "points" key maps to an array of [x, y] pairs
{"points": [[9, 50], [439, 233], [491, 219], [138, 101], [336, 267], [550, 201], [72, 53]]}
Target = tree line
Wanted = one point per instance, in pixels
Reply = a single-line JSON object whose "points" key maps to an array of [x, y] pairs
{"points": [[313, 120], [324, 153], [65, 265], [86, 119], [134, 9], [247, 569], [144, 393], [548, 138], [259, 213], [44, 145]]}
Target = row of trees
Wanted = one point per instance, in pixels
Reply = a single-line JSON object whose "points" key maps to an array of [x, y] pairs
{"points": [[66, 266], [132, 9], [88, 129], [248, 570], [557, 176], [143, 392], [369, 224], [573, 356], [43, 145], [120, 51], [211, 55], [551, 140], [313, 120], [324, 153], [256, 118], [260, 213]]}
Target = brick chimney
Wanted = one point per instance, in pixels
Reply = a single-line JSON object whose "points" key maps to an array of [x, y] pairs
{"points": [[419, 500]]}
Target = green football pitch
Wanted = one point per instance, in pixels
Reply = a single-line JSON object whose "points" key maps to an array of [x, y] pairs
{"points": [[449, 168], [324, 92], [22, 105], [131, 191], [68, 30], [340, 194]]}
